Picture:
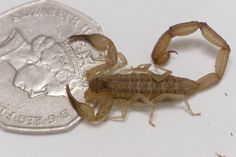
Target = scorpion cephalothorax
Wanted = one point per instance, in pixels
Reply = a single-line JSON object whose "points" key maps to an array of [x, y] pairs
{"points": [[141, 84]]}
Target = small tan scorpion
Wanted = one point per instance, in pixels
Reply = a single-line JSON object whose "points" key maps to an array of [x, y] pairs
{"points": [[141, 84]]}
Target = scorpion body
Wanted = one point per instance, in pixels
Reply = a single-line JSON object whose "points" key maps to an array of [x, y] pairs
{"points": [[125, 86], [140, 84]]}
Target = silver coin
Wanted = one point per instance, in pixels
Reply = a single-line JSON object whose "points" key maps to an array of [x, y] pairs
{"points": [[36, 62]]}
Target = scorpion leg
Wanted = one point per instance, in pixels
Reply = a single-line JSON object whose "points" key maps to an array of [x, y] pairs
{"points": [[135, 98], [161, 77], [104, 110], [145, 100], [142, 68], [160, 54], [101, 43], [123, 63], [145, 68], [85, 111], [123, 113], [176, 97]]}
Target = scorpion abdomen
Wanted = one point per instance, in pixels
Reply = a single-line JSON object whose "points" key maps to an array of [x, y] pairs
{"points": [[124, 86]]}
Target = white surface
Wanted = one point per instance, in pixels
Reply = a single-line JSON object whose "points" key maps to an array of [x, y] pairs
{"points": [[135, 26]]}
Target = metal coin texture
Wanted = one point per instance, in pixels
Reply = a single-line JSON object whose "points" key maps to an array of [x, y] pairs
{"points": [[36, 63]]}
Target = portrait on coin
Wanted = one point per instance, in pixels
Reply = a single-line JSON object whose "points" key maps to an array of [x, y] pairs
{"points": [[42, 66]]}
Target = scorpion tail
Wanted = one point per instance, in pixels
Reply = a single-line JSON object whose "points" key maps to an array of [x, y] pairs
{"points": [[161, 55]]}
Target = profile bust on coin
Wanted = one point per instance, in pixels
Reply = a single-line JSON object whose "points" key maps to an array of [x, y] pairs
{"points": [[42, 66]]}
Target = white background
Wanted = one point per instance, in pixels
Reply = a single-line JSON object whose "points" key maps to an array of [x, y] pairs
{"points": [[135, 26]]}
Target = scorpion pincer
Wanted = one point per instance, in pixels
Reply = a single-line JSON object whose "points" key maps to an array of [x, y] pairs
{"points": [[140, 84]]}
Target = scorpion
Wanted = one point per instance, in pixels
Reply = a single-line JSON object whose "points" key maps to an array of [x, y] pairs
{"points": [[140, 84]]}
